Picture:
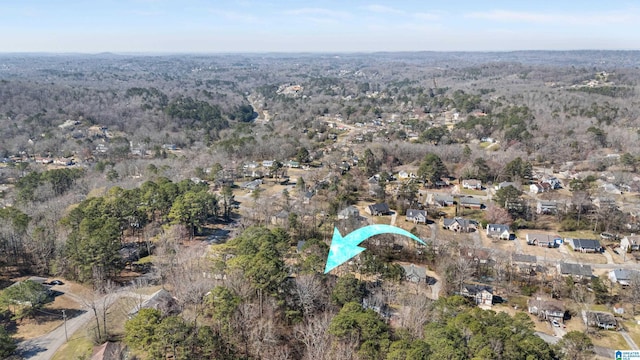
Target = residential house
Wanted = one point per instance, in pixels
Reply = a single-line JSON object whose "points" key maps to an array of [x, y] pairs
{"points": [[292, 164], [544, 240], [599, 319], [415, 274], [546, 309], [630, 243], [441, 200], [300, 246], [472, 184], [471, 203], [553, 181], [575, 270], [160, 300], [417, 216], [281, 218], [499, 231], [604, 203], [526, 264], [478, 256], [547, 207], [459, 224], [349, 212], [267, 163], [586, 245], [623, 276], [481, 294], [109, 351], [378, 209], [307, 196], [504, 184], [250, 165], [252, 185], [611, 189], [403, 175], [536, 188]]}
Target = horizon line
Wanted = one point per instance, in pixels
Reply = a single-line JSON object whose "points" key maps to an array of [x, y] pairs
{"points": [[278, 52]]}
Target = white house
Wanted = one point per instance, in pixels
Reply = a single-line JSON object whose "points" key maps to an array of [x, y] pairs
{"points": [[498, 231], [472, 184]]}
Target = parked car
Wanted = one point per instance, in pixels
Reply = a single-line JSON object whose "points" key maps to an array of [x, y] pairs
{"points": [[56, 282], [555, 323]]}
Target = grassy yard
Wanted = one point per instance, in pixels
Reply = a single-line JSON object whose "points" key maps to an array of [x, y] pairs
{"points": [[80, 345], [579, 234], [609, 339], [473, 192]]}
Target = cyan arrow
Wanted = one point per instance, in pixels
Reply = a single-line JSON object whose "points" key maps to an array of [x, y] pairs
{"points": [[344, 248]]}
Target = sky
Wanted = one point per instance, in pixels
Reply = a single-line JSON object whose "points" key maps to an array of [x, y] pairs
{"points": [[254, 26]]}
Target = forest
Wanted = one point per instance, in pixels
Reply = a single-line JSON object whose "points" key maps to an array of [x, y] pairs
{"points": [[113, 165]]}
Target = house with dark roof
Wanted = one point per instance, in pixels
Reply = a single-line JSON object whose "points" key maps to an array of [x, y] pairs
{"points": [[499, 231], [378, 209], [470, 202], [417, 216], [586, 245], [459, 224], [481, 294], [544, 240], [575, 270]]}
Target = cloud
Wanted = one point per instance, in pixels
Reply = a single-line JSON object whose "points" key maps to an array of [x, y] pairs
{"points": [[382, 9], [319, 13], [631, 16], [234, 15]]}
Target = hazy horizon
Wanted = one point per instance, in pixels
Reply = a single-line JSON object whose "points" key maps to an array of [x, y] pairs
{"points": [[206, 27]]}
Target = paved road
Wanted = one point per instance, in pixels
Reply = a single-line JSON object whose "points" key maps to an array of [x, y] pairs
{"points": [[45, 346], [629, 340]]}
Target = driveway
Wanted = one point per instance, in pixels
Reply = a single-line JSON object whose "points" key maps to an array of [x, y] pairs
{"points": [[45, 346]]}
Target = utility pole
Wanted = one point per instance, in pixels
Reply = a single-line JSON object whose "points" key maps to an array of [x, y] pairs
{"points": [[64, 317]]}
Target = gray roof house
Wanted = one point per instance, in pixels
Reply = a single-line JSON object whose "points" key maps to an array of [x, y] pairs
{"points": [[415, 274], [623, 276], [546, 207], [546, 309], [350, 212], [577, 270], [544, 240], [459, 224], [630, 243], [470, 202], [417, 216], [599, 319], [160, 300], [585, 245], [499, 231], [442, 199]]}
